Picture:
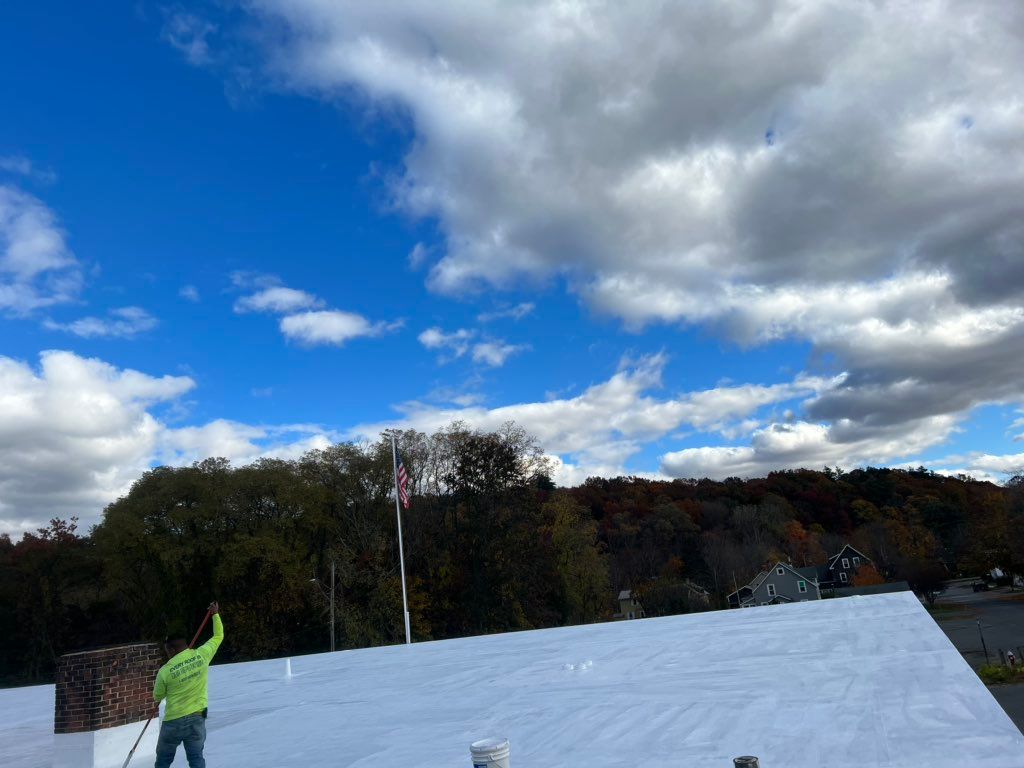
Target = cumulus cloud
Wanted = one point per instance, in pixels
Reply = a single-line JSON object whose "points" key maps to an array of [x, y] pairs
{"points": [[122, 323], [330, 327], [495, 353], [597, 431], [518, 312], [849, 175], [456, 343], [37, 269], [453, 345], [805, 444], [315, 327], [982, 466], [189, 293], [76, 432], [279, 299], [73, 435]]}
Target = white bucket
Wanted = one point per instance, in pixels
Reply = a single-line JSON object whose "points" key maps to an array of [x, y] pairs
{"points": [[490, 753]]}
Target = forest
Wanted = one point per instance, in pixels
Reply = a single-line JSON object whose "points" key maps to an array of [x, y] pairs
{"points": [[491, 545]]}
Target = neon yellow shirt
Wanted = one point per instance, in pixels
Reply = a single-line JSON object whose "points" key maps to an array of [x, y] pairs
{"points": [[182, 680]]}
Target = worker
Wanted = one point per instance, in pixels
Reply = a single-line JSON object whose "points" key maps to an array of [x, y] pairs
{"points": [[182, 681]]}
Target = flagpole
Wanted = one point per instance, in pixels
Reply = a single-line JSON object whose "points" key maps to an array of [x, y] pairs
{"points": [[401, 550]]}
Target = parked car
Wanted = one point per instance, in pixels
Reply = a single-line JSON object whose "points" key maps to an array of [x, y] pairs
{"points": [[979, 586]]}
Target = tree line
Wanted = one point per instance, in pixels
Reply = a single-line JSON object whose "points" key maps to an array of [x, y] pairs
{"points": [[491, 545]]}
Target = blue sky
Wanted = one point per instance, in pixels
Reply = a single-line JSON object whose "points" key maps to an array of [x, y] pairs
{"points": [[605, 248]]}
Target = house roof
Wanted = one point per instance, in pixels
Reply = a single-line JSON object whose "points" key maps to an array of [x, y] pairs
{"points": [[759, 579], [832, 560], [817, 573], [866, 681], [751, 585], [873, 589], [625, 594]]}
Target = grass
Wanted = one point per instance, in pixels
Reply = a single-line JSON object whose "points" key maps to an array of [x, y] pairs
{"points": [[996, 674], [947, 611]]}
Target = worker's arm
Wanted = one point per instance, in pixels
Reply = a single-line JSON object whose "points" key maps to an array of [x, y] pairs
{"points": [[207, 649], [160, 687]]}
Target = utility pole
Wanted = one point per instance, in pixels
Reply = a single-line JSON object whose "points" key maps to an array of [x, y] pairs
{"points": [[401, 549], [332, 604], [330, 597], [983, 646]]}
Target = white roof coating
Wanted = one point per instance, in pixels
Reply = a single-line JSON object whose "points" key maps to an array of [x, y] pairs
{"points": [[864, 681]]}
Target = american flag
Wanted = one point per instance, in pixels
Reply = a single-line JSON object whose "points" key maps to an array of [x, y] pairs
{"points": [[403, 483]]}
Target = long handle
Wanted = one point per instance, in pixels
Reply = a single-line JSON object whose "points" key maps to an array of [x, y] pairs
{"points": [[139, 740]]}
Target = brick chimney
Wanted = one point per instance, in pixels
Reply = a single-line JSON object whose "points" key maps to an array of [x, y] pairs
{"points": [[103, 697]]}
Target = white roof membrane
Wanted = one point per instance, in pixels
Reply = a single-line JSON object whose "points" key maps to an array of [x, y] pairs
{"points": [[864, 681]]}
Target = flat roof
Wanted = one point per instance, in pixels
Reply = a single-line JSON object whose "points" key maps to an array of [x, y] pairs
{"points": [[866, 681]]}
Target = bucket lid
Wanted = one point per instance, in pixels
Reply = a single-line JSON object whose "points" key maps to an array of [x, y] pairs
{"points": [[487, 746]]}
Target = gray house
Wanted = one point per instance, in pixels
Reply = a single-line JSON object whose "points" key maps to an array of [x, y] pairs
{"points": [[781, 583], [839, 570]]}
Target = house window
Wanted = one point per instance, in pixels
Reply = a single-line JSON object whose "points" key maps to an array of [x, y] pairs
{"points": [[846, 562], [856, 561], [780, 570], [842, 576], [801, 586], [632, 615], [771, 590]]}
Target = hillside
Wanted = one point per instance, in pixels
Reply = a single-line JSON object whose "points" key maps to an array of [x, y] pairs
{"points": [[491, 546]]}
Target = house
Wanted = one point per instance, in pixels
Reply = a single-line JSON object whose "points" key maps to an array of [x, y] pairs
{"points": [[782, 583], [629, 606], [841, 568], [838, 571]]}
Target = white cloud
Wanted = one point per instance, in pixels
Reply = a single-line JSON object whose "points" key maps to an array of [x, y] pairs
{"points": [[188, 33], [846, 174], [331, 327], [455, 343], [279, 299], [491, 352], [983, 466], [189, 293], [37, 269], [1018, 424], [242, 443], [518, 312], [495, 353], [418, 255], [312, 328], [73, 435], [804, 444], [600, 429], [22, 166], [76, 432], [122, 323]]}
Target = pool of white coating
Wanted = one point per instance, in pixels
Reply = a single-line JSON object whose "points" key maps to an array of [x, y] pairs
{"points": [[864, 681]]}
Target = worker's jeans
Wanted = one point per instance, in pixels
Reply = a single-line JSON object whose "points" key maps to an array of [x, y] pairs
{"points": [[191, 731]]}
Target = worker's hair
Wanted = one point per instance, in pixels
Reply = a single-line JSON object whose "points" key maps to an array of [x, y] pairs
{"points": [[175, 644]]}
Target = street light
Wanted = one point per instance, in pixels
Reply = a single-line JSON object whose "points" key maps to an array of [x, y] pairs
{"points": [[329, 597]]}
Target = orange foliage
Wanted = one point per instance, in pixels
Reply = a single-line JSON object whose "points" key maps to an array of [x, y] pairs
{"points": [[866, 576]]}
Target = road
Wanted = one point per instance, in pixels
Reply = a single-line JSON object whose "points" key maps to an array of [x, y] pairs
{"points": [[1001, 614]]}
